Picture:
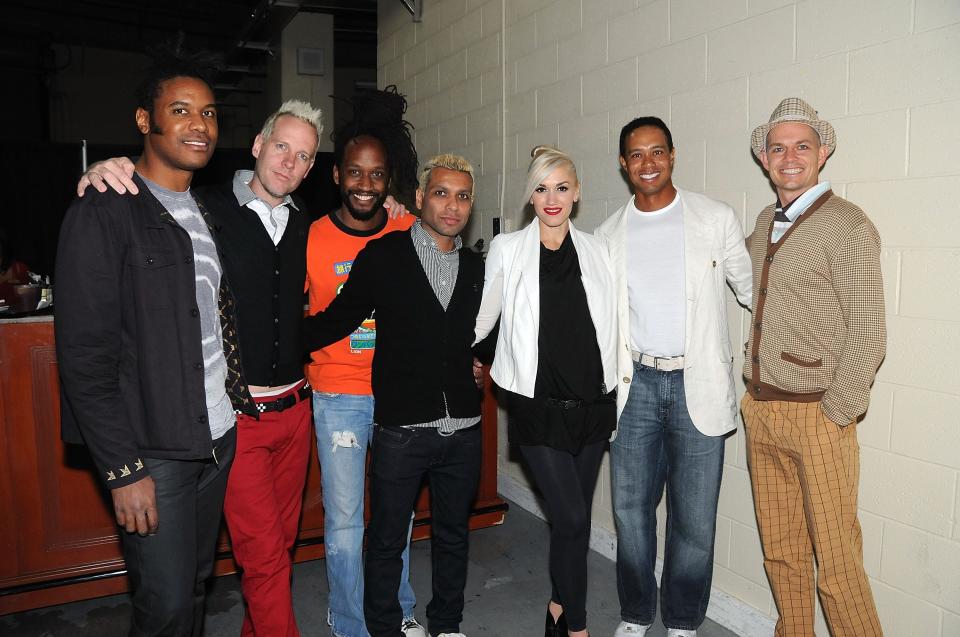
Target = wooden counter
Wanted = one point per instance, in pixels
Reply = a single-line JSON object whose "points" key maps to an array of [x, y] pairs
{"points": [[57, 532]]}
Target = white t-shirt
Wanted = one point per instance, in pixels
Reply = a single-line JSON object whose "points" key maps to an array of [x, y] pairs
{"points": [[655, 279]]}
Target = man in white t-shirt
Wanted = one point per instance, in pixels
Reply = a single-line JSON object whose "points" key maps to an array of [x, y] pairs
{"points": [[673, 252]]}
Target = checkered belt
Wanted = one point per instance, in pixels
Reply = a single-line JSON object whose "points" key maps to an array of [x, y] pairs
{"points": [[287, 401]]}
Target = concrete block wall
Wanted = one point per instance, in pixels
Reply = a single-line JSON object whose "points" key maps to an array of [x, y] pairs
{"points": [[492, 78]]}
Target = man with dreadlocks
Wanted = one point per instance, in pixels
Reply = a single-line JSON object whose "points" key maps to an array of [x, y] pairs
{"points": [[372, 152]]}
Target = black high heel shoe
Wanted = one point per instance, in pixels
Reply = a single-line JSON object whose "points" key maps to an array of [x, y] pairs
{"points": [[556, 628]]}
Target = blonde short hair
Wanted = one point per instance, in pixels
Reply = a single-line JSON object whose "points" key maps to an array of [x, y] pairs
{"points": [[546, 159], [448, 161], [304, 111]]}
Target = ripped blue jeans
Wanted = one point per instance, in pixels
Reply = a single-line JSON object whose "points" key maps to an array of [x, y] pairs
{"points": [[344, 425]]}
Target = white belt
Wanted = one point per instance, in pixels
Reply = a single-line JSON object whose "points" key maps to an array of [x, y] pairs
{"points": [[659, 363]]}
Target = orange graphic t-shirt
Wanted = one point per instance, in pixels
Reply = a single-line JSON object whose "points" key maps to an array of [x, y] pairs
{"points": [[344, 366]]}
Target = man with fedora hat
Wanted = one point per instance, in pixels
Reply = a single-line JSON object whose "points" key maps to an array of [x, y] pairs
{"points": [[817, 338]]}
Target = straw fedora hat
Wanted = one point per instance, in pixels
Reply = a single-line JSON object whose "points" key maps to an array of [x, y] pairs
{"points": [[793, 109]]}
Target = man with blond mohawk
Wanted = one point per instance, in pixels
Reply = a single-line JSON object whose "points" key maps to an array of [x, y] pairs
{"points": [[426, 403], [261, 230], [817, 337]]}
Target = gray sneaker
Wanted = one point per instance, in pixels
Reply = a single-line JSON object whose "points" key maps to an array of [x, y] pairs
{"points": [[627, 629], [412, 628]]}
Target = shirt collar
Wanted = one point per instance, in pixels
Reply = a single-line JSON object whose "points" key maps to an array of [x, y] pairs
{"points": [[799, 205], [425, 239], [244, 194]]}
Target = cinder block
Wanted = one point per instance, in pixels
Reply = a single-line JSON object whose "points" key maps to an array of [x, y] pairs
{"points": [[874, 429], [600, 176], [736, 499], [890, 268], [863, 154], [528, 139], [427, 83], [610, 87], [673, 69], [521, 38], [521, 111], [872, 527], [755, 595], [602, 10], [693, 17], [438, 108], [491, 88], [951, 624], [487, 190], [393, 71], [698, 113], [619, 117], [923, 293], [639, 31], [415, 59], [590, 214], [825, 27], [440, 46], [452, 69], [466, 96], [467, 29], [517, 9], [449, 12], [887, 203], [746, 553], [584, 51], [427, 141], [821, 82], [934, 129], [492, 155], [935, 343], [925, 426], [453, 133], [721, 542], [917, 70], [557, 101], [726, 163], [756, 44], [484, 55], [762, 6], [933, 14], [689, 167], [557, 20], [386, 49], [585, 135], [922, 564], [537, 69], [910, 491], [491, 17], [408, 87], [483, 124], [956, 514]]}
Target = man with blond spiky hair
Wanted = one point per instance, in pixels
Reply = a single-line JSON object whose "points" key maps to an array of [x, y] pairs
{"points": [[425, 289]]}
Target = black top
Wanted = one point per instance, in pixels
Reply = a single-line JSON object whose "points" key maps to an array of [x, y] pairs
{"points": [[569, 367], [128, 336], [267, 283], [423, 352]]}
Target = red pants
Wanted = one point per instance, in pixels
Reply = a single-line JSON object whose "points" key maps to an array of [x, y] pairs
{"points": [[262, 507]]}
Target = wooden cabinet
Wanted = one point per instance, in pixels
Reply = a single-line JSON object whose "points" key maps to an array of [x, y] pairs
{"points": [[57, 532]]}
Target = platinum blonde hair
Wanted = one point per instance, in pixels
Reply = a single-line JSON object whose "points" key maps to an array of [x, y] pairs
{"points": [[304, 111], [448, 161], [546, 159]]}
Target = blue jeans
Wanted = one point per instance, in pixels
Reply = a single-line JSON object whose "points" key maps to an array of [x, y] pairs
{"points": [[344, 424], [657, 444]]}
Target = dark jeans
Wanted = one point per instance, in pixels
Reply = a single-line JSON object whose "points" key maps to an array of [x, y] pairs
{"points": [[169, 569], [567, 483], [658, 444], [400, 460]]}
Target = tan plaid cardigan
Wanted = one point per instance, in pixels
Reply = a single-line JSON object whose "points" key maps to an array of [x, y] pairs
{"points": [[818, 330]]}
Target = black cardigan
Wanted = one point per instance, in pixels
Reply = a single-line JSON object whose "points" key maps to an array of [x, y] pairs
{"points": [[267, 283], [423, 353]]}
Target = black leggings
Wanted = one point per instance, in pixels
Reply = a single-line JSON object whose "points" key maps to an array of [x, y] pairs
{"points": [[567, 483]]}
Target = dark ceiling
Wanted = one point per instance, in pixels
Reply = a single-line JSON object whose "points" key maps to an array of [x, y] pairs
{"points": [[33, 31]]}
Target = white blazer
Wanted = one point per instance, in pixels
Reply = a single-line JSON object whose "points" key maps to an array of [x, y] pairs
{"points": [[714, 253], [511, 291]]}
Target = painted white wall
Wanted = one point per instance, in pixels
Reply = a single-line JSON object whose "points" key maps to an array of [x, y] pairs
{"points": [[492, 78]]}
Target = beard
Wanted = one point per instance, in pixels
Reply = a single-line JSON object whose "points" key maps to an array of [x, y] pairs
{"points": [[362, 215]]}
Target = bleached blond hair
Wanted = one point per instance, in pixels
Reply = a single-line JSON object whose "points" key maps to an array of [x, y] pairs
{"points": [[448, 161], [304, 111], [545, 160]]}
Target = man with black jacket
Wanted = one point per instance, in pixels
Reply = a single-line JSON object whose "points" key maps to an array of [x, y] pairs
{"points": [[262, 230], [148, 356], [427, 405]]}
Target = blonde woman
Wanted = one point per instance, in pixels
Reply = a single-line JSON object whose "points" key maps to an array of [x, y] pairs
{"points": [[552, 289]]}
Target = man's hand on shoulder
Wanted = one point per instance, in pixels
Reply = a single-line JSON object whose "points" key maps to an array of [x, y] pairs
{"points": [[116, 172], [135, 506], [394, 208]]}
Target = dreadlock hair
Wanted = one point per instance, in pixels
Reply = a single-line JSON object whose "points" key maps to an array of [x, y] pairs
{"points": [[171, 60], [379, 114]]}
